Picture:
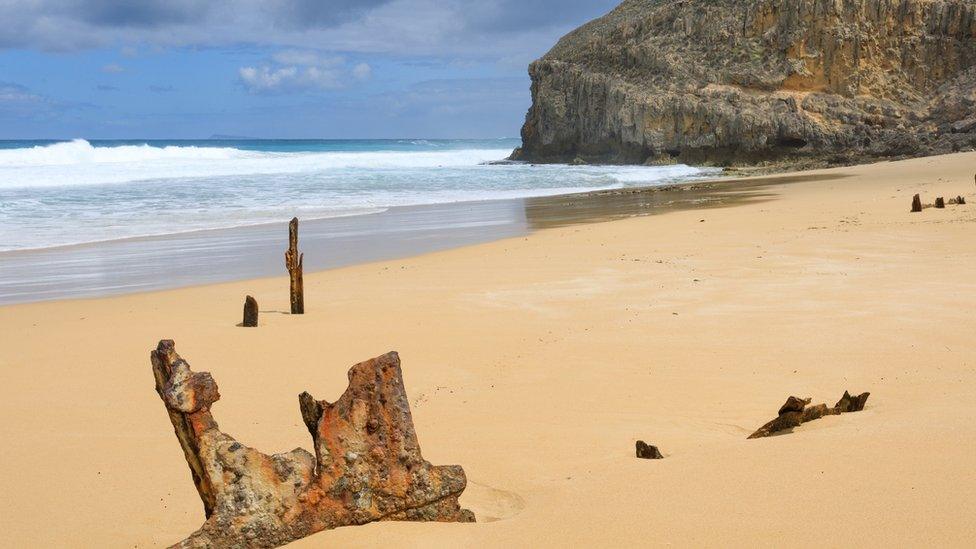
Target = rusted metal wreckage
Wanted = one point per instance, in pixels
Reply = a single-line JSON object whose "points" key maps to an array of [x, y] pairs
{"points": [[366, 467]]}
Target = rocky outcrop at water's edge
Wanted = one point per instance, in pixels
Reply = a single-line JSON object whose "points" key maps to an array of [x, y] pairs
{"points": [[745, 82]]}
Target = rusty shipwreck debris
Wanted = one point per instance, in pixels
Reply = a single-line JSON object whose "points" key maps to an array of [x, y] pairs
{"points": [[367, 464], [250, 313], [647, 451], [796, 411]]}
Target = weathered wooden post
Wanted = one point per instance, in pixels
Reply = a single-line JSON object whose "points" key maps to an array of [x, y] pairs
{"points": [[940, 202], [250, 312], [293, 262], [916, 203]]}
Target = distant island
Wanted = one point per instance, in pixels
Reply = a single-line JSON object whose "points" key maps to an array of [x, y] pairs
{"points": [[725, 82]]}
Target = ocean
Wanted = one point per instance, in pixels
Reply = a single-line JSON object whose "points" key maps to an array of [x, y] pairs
{"points": [[58, 193]]}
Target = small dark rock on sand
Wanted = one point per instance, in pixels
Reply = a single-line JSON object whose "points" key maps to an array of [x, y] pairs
{"points": [[250, 312], [646, 451]]}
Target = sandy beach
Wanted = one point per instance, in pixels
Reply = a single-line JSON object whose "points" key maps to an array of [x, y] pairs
{"points": [[537, 361]]}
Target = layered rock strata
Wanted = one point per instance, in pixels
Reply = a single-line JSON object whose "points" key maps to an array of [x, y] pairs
{"points": [[751, 81]]}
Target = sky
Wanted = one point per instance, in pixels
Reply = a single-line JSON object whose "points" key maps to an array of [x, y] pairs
{"points": [[157, 69]]}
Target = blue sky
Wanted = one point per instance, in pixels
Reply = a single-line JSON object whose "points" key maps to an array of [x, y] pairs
{"points": [[273, 68]]}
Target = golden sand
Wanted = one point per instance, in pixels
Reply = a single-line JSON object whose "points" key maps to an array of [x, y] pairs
{"points": [[537, 362]]}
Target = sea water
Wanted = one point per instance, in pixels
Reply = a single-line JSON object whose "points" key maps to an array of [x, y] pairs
{"points": [[56, 193]]}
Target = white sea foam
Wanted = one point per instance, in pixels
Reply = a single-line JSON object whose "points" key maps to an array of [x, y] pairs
{"points": [[81, 152], [74, 192], [79, 163]]}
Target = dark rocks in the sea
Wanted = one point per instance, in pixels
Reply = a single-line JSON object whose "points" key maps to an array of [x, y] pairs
{"points": [[797, 411], [940, 202], [367, 464], [916, 203], [647, 451], [728, 82], [293, 262], [250, 312]]}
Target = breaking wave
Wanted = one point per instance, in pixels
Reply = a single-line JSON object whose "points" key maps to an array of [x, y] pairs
{"points": [[74, 192], [79, 163]]}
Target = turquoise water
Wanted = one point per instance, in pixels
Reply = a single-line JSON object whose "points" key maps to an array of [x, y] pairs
{"points": [[55, 193]]}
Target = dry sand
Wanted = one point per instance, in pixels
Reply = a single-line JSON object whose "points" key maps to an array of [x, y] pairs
{"points": [[537, 362]]}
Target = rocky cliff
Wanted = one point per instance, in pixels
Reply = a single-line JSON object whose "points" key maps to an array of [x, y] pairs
{"points": [[747, 81]]}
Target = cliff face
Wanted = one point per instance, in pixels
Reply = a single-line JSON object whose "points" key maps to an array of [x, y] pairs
{"points": [[744, 81]]}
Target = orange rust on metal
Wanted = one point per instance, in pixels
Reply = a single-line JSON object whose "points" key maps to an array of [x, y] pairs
{"points": [[367, 464]]}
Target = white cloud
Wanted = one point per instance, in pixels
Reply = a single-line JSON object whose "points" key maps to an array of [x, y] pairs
{"points": [[266, 79], [362, 71], [113, 68], [15, 93], [291, 71], [17, 101]]}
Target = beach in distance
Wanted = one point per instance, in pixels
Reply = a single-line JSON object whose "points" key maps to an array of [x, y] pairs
{"points": [[536, 349]]}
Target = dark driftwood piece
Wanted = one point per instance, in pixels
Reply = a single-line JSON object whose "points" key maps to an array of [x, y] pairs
{"points": [[916, 203], [250, 312], [647, 451], [795, 411], [940, 202], [367, 464], [293, 262]]}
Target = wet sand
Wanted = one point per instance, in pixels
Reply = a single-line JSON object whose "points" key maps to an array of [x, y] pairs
{"points": [[203, 257], [536, 361]]}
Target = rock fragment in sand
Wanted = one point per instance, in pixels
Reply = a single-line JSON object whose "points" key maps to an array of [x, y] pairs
{"points": [[647, 451], [250, 312], [848, 403], [940, 202], [797, 411], [916, 203], [957, 200], [367, 464], [793, 404]]}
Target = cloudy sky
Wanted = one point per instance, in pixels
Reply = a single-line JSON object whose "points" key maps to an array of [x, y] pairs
{"points": [[273, 68]]}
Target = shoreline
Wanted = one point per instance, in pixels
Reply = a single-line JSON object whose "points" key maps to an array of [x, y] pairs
{"points": [[248, 251], [379, 210]]}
